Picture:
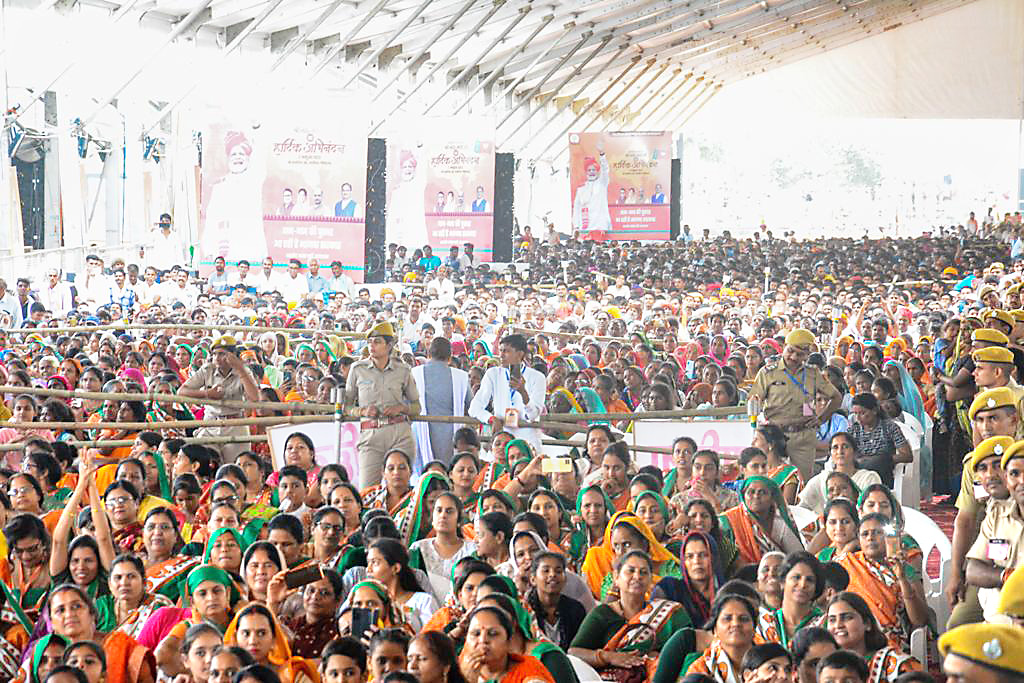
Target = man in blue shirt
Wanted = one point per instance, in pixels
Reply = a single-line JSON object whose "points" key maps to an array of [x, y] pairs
{"points": [[429, 261], [218, 282], [659, 196], [317, 283], [453, 258]]}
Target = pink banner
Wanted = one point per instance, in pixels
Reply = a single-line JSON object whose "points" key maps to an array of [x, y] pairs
{"points": [[620, 185], [289, 187], [441, 188]]}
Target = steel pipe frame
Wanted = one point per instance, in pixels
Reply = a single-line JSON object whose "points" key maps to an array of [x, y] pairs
{"points": [[333, 51], [692, 93], [439, 64], [182, 26], [684, 113], [670, 42], [523, 11], [670, 97], [397, 73], [493, 75], [590, 105], [649, 100], [781, 29], [833, 41], [36, 94], [570, 100], [543, 103], [227, 51], [636, 12], [640, 92], [566, 30], [649, 64], [526, 98], [387, 43]]}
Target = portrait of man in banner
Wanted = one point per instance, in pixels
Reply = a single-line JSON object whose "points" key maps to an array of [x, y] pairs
{"points": [[234, 213], [590, 206]]}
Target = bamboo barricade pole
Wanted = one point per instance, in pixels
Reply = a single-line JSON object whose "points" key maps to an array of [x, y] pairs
{"points": [[168, 398], [576, 335], [184, 326], [118, 443], [329, 408]]}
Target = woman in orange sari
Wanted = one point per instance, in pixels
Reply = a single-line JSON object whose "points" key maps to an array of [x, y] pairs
{"points": [[257, 631], [487, 655], [891, 587], [761, 522], [625, 532], [732, 624]]}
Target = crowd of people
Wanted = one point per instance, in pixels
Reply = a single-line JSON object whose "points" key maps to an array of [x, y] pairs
{"points": [[506, 539]]}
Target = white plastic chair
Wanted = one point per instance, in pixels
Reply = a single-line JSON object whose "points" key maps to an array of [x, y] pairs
{"points": [[907, 476], [584, 671], [928, 535]]}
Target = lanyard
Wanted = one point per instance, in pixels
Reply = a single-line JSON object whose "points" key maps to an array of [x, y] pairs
{"points": [[780, 623], [800, 383]]}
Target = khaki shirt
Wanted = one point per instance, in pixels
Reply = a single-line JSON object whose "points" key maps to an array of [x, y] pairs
{"points": [[207, 377], [782, 397], [367, 385], [1003, 521]]}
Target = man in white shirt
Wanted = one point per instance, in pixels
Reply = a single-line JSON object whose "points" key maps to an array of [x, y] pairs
{"points": [[149, 291], [9, 305], [339, 282], [244, 277], [294, 286], [56, 294], [467, 259], [94, 287], [165, 250], [513, 399], [442, 287], [178, 289], [267, 280]]}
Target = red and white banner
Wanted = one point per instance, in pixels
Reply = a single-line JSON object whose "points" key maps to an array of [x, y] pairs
{"points": [[288, 184], [441, 186], [620, 184]]}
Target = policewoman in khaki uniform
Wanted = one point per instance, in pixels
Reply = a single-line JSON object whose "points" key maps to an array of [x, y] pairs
{"points": [[786, 391], [224, 376], [381, 390]]}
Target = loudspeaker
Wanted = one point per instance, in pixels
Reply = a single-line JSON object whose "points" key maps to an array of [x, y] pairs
{"points": [[504, 203], [375, 249], [675, 199]]}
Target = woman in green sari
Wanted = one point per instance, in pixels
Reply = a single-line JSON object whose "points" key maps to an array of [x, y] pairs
{"points": [[594, 508], [413, 521], [158, 482], [46, 656], [591, 403], [629, 631]]}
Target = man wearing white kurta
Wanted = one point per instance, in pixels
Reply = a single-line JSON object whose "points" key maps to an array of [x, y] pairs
{"points": [[590, 206], [525, 393], [444, 390]]}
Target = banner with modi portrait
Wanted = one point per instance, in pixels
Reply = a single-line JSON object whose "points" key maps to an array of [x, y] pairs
{"points": [[441, 185], [288, 184], [620, 184]]}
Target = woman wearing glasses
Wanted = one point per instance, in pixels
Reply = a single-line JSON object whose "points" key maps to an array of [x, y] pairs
{"points": [[24, 572], [122, 502]]}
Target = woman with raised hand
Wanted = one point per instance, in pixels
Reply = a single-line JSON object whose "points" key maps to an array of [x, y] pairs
{"points": [[488, 655], [388, 562]]}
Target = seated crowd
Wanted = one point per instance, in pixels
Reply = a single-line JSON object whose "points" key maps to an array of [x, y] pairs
{"points": [[190, 562]]}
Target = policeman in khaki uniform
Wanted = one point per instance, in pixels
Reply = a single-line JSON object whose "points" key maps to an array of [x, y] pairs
{"points": [[381, 390], [1011, 600], [993, 367], [983, 653], [999, 548], [224, 376], [786, 392], [994, 414]]}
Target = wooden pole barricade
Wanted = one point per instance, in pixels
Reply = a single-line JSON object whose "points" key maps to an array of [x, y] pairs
{"points": [[577, 335], [213, 327]]}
